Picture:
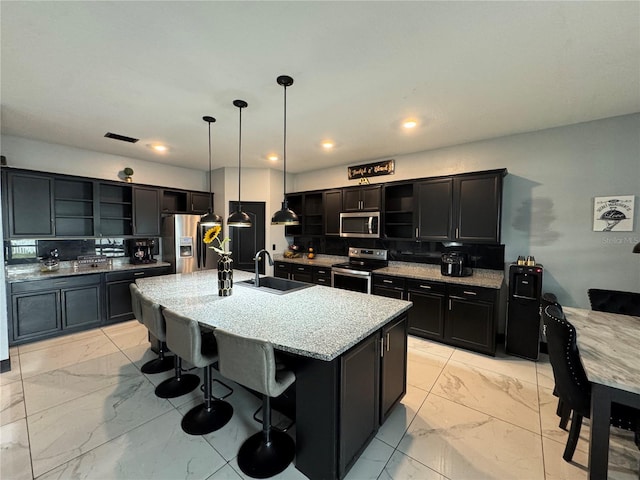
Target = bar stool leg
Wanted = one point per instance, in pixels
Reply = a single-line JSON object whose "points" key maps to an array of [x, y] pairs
{"points": [[209, 416], [178, 385]]}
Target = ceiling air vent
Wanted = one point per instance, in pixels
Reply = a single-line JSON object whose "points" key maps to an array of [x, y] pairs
{"points": [[122, 138]]}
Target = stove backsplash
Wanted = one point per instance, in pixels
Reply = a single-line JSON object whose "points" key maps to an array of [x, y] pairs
{"points": [[480, 256]]}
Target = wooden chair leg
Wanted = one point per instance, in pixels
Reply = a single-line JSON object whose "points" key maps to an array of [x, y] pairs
{"points": [[574, 435]]}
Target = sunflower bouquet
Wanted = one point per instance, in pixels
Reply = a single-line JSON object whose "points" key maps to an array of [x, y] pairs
{"points": [[213, 234]]}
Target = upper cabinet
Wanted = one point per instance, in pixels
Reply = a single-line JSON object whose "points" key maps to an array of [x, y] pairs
{"points": [[361, 198], [116, 210], [146, 212], [75, 208], [332, 204], [29, 205], [182, 201], [461, 208], [309, 207]]}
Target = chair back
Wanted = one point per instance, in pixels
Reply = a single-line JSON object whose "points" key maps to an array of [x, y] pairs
{"points": [[152, 317], [184, 338], [614, 301], [251, 362], [135, 301], [572, 385]]}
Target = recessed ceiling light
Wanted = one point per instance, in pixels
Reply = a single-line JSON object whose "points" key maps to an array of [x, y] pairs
{"points": [[409, 124], [158, 147], [273, 157], [327, 144]]}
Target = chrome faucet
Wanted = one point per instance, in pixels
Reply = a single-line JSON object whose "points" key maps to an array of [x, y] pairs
{"points": [[257, 259]]}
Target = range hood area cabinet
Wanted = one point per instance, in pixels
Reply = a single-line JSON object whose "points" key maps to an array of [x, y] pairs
{"points": [[463, 208], [356, 199]]}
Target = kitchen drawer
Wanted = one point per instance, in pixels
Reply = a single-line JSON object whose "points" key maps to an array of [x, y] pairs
{"points": [[473, 293], [389, 281], [301, 269], [133, 274], [281, 269], [426, 286], [322, 276], [55, 283]]}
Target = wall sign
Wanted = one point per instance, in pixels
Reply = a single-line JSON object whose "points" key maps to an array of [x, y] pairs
{"points": [[385, 167], [613, 213]]}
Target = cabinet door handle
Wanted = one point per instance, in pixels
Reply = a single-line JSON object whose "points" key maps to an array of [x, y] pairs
{"points": [[457, 232], [428, 287], [382, 347], [417, 232], [63, 282], [387, 281], [300, 269], [137, 274], [449, 304], [388, 342], [466, 292]]}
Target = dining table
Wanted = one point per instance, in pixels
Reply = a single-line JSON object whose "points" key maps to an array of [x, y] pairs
{"points": [[609, 345]]}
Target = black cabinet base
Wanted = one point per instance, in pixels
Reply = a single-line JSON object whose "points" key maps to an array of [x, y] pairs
{"points": [[5, 365]]}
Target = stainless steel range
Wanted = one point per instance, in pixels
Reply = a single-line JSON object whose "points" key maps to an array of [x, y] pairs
{"points": [[357, 274]]}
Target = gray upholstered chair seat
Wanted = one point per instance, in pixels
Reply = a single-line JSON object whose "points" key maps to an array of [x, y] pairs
{"points": [[186, 339]]}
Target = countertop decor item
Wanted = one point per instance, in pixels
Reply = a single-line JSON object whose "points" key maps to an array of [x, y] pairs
{"points": [[210, 219], [239, 218], [285, 216], [225, 262]]}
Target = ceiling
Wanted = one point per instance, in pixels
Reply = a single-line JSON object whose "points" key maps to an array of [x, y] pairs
{"points": [[72, 71]]}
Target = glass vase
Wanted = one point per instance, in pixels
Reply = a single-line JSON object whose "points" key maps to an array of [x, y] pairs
{"points": [[225, 275]]}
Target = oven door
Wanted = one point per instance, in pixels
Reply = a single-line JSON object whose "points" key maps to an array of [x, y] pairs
{"points": [[354, 280]]}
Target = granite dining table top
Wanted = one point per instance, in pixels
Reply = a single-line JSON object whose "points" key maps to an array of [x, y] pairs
{"points": [[609, 346], [318, 322]]}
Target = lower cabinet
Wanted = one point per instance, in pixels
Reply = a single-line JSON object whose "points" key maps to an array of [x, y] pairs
{"points": [[46, 308], [471, 318], [117, 293], [426, 317], [281, 269], [301, 273], [342, 403], [321, 276]]}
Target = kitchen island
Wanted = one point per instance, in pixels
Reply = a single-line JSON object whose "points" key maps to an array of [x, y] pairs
{"points": [[348, 351]]}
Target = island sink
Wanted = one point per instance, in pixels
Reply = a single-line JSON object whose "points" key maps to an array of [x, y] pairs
{"points": [[276, 285]]}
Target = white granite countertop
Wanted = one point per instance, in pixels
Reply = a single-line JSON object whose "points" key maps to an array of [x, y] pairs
{"points": [[318, 322], [419, 271], [609, 344], [28, 272]]}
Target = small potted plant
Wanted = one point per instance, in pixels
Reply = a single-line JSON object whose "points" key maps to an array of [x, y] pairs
{"points": [[128, 173]]}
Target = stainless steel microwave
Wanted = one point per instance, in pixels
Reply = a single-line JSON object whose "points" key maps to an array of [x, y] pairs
{"points": [[360, 224]]}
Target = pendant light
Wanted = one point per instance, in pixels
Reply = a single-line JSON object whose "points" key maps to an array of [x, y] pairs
{"points": [[239, 218], [210, 219], [284, 216]]}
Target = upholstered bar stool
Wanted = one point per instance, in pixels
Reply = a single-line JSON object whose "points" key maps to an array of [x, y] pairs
{"points": [[251, 362], [180, 384], [185, 339], [151, 316]]}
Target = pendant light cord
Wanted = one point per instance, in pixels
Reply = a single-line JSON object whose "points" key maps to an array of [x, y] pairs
{"points": [[209, 173], [284, 148], [239, 157]]}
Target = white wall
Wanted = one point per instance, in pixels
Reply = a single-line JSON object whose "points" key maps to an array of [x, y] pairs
{"points": [[49, 157], [548, 198]]}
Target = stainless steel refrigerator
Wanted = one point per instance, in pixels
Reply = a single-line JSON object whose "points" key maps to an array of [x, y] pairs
{"points": [[182, 244]]}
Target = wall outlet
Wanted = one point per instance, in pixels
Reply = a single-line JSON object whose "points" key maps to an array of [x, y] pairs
{"points": [[274, 247]]}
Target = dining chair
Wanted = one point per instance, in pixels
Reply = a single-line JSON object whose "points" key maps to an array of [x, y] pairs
{"points": [[572, 385], [252, 363], [151, 318]]}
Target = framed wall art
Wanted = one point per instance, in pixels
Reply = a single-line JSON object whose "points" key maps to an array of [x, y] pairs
{"points": [[613, 214]]}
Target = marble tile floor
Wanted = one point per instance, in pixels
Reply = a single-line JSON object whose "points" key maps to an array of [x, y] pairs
{"points": [[79, 407]]}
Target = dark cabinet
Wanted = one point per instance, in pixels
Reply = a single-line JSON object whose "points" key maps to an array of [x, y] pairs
{"points": [[332, 203], [281, 269], [146, 212], [45, 308], [75, 208], [399, 208], [116, 210], [389, 286], [301, 273], [359, 400], [200, 202], [393, 372], [426, 317], [434, 209], [118, 296], [478, 205], [361, 198], [470, 320], [183, 201], [321, 276], [295, 202], [30, 205]]}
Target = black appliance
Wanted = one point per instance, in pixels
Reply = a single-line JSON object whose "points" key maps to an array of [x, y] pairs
{"points": [[523, 317], [357, 274], [141, 251], [455, 264]]}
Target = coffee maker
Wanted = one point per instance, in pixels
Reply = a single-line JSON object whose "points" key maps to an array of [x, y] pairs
{"points": [[141, 250]]}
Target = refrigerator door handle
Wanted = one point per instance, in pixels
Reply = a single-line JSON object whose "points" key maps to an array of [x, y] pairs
{"points": [[199, 249]]}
